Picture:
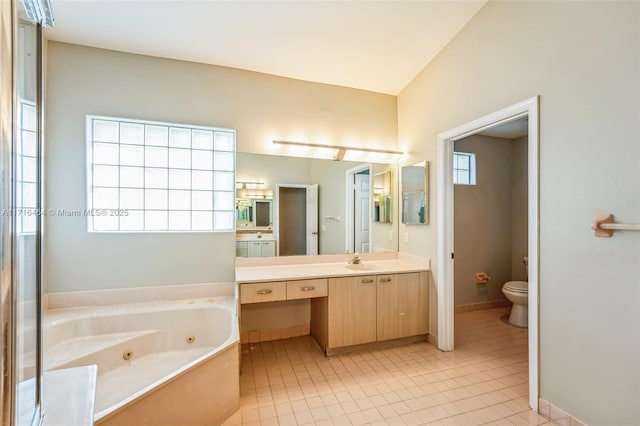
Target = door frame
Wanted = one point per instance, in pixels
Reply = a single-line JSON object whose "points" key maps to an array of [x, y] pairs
{"points": [[349, 206], [445, 228], [276, 212]]}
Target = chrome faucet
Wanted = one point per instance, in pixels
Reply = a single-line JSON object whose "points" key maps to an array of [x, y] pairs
{"points": [[355, 259]]}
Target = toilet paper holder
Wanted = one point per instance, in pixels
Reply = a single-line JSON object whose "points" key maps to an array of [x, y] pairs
{"points": [[482, 278]]}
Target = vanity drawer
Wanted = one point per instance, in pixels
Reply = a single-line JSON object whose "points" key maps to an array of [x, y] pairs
{"points": [[305, 289], [263, 292]]}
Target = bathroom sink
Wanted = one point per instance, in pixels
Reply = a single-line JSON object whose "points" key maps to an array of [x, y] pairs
{"points": [[362, 266]]}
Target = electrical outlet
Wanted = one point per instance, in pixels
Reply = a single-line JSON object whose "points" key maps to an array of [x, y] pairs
{"points": [[406, 237]]}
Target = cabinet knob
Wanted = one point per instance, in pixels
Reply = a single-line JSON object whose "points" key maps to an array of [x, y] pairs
{"points": [[385, 280], [369, 281], [308, 288], [264, 291]]}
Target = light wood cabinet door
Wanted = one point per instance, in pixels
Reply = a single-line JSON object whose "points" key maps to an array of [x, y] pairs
{"points": [[351, 311], [263, 292], [399, 312]]}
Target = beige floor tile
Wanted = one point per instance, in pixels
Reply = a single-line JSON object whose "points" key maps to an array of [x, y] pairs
{"points": [[484, 381]]}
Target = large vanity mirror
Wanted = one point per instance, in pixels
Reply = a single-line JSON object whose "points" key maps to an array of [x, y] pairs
{"points": [[279, 198], [415, 196]]}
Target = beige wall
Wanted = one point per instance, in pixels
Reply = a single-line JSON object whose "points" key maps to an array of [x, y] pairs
{"points": [[483, 218], [583, 59], [82, 80], [519, 208]]}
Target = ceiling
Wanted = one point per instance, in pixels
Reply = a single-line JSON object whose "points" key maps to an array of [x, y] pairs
{"points": [[372, 45], [509, 130]]}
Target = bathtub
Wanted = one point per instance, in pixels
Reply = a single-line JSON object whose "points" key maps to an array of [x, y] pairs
{"points": [[160, 363]]}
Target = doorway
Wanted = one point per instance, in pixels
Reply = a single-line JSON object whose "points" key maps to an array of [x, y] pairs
{"points": [[296, 224], [445, 227], [358, 209]]}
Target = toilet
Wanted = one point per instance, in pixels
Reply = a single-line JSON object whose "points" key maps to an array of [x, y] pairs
{"points": [[517, 292]]}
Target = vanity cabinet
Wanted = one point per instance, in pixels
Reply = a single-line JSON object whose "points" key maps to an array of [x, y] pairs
{"points": [[372, 308], [256, 248]]}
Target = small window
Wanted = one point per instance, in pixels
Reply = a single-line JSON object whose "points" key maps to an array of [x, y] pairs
{"points": [[155, 177], [464, 168]]}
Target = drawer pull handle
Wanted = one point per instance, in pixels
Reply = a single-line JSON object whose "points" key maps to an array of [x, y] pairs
{"points": [[265, 291], [367, 281], [307, 288], [385, 280]]}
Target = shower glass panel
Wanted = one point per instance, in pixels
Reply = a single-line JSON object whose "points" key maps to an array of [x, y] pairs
{"points": [[26, 186]]}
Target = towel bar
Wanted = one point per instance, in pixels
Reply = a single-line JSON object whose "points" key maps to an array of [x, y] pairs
{"points": [[603, 226]]}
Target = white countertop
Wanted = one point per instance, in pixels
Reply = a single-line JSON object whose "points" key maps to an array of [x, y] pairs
{"points": [[254, 237], [395, 263]]}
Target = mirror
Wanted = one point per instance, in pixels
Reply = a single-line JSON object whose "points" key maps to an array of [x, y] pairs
{"points": [[415, 197], [253, 213], [382, 197], [257, 176]]}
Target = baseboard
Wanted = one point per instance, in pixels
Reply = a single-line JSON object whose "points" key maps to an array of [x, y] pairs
{"points": [[376, 345], [433, 339], [492, 304], [556, 415]]}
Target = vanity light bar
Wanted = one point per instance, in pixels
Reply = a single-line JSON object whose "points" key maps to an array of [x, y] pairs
{"points": [[341, 150], [244, 184]]}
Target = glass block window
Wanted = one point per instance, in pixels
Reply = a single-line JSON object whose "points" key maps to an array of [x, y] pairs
{"points": [[464, 168], [158, 177], [27, 168]]}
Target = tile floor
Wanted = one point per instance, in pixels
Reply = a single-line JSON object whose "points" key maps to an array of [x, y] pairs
{"points": [[484, 381]]}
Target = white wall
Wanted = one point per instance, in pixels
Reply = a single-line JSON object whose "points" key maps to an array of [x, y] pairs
{"points": [[82, 80], [583, 59]]}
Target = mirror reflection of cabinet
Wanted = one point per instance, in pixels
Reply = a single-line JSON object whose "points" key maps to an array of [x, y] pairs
{"points": [[415, 197], [382, 197]]}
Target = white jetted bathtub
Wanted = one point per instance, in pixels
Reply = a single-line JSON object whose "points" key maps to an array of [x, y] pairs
{"points": [[161, 363]]}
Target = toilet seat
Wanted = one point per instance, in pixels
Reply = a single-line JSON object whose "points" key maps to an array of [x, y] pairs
{"points": [[517, 286]]}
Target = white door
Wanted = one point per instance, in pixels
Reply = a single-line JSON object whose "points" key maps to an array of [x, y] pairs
{"points": [[312, 219], [361, 213]]}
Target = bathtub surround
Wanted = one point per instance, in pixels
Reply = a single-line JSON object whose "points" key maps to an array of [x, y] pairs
{"points": [[583, 59], [119, 296], [486, 232], [157, 359]]}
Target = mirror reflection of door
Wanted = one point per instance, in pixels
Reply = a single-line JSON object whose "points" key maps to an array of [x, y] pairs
{"points": [[262, 212], [297, 222], [361, 223]]}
